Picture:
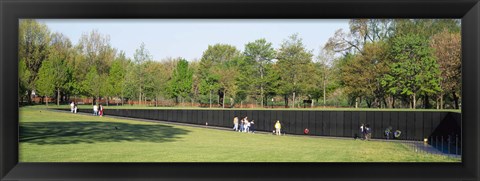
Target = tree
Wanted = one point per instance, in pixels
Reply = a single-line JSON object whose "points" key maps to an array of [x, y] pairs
{"points": [[293, 60], [195, 92], [46, 80], [23, 75], [414, 69], [97, 51], [361, 32], [447, 48], [260, 53], [181, 83], [59, 55], [94, 83], [116, 77], [227, 75], [361, 77], [214, 56], [34, 41], [324, 64], [141, 56], [425, 27]]}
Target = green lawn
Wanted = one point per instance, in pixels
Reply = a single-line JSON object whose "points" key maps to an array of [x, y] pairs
{"points": [[47, 136]]}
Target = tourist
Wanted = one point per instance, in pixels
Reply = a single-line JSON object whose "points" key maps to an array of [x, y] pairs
{"points": [[246, 125], [72, 105], [278, 128], [252, 126], [101, 110], [95, 110], [75, 108], [368, 130], [388, 131], [241, 125], [235, 123], [363, 131]]}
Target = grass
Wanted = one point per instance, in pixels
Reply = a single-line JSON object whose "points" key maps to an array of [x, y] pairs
{"points": [[286, 109], [48, 136]]}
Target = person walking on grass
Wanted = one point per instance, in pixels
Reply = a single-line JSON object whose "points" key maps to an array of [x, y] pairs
{"points": [[95, 110], [235, 123], [278, 128]]}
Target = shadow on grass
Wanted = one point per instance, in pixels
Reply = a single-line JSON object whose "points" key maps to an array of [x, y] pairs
{"points": [[52, 133]]}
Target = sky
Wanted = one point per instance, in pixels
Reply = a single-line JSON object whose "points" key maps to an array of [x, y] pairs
{"points": [[189, 38]]}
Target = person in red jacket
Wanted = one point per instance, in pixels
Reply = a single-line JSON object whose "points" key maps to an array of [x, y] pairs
{"points": [[101, 110]]}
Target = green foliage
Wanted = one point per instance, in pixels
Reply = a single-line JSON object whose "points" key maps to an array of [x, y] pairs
{"points": [[93, 84], [293, 64], [258, 55], [33, 49], [414, 69], [377, 60], [45, 85], [97, 51], [214, 57], [23, 75], [116, 78], [181, 83]]}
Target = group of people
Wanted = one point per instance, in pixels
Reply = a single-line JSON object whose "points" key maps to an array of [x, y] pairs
{"points": [[73, 107], [98, 110], [244, 125], [366, 132]]}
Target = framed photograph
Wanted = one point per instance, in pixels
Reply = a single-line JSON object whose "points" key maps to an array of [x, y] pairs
{"points": [[239, 90]]}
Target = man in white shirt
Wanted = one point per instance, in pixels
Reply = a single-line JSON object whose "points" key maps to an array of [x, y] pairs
{"points": [[72, 106], [95, 110]]}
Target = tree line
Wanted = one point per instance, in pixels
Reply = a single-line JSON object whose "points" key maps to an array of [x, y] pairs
{"points": [[376, 63]]}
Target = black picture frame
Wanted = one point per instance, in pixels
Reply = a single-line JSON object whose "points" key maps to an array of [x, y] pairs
{"points": [[12, 10]]}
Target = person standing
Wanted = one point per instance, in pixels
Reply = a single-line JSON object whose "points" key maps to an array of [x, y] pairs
{"points": [[241, 125], [368, 131], [95, 110], [75, 108], [235, 123], [246, 125], [72, 106], [278, 128], [101, 110], [252, 126], [363, 132]]}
